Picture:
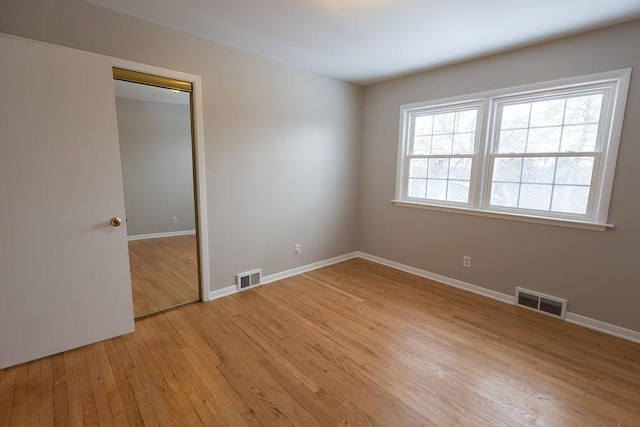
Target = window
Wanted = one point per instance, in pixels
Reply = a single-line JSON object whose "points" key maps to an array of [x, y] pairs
{"points": [[544, 151], [441, 153]]}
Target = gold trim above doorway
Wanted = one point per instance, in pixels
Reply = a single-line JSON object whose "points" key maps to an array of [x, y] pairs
{"points": [[150, 79]]}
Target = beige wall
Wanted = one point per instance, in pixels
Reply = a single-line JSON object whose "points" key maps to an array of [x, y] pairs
{"points": [[157, 172], [281, 144], [596, 271]]}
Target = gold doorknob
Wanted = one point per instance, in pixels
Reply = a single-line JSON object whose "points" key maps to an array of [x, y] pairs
{"points": [[115, 221]]}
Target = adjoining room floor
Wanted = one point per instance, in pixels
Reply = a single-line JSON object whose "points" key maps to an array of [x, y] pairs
{"points": [[355, 343], [164, 273]]}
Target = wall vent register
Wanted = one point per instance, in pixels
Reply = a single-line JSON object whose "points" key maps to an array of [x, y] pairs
{"points": [[546, 304], [249, 279]]}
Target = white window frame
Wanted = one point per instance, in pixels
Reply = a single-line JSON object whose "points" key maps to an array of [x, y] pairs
{"points": [[616, 82], [450, 107]]}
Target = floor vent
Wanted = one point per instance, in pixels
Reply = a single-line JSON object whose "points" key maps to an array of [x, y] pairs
{"points": [[542, 303], [248, 279]]}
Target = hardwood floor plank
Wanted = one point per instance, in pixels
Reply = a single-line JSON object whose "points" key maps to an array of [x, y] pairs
{"points": [[76, 416], [223, 400], [323, 413], [100, 392], [264, 409], [285, 403], [161, 398], [103, 378], [19, 407], [137, 377], [33, 394], [46, 392], [122, 384], [355, 343], [87, 398], [194, 336], [60, 392], [316, 367], [7, 393], [182, 375]]}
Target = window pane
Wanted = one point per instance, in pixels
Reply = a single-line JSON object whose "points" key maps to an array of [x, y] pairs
{"points": [[507, 169], [460, 169], [535, 196], [579, 138], [464, 143], [570, 199], [538, 170], [503, 194], [544, 140], [442, 144], [574, 170], [512, 141], [515, 116], [547, 113], [539, 174], [418, 168], [583, 109], [436, 189], [443, 123], [417, 188], [466, 121], [439, 168], [421, 146], [458, 191], [423, 125]]}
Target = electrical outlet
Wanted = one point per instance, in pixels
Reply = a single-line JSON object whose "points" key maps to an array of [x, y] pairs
{"points": [[297, 248], [174, 219], [466, 261]]}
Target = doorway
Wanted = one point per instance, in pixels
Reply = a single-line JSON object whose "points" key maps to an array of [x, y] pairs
{"points": [[157, 150]]}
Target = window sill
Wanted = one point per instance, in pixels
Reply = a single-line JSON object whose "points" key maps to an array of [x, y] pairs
{"points": [[510, 217]]}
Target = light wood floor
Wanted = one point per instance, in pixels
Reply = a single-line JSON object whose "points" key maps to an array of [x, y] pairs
{"points": [[164, 273], [351, 344]]}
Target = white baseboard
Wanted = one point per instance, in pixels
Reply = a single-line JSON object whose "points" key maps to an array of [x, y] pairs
{"points": [[230, 290], [219, 293], [607, 328], [440, 279], [576, 319], [161, 235], [306, 268]]}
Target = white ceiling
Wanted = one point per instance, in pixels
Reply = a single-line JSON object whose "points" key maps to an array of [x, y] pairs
{"points": [[365, 41], [144, 92]]}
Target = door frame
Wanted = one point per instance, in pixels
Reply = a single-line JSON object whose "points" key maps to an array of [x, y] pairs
{"points": [[198, 161]]}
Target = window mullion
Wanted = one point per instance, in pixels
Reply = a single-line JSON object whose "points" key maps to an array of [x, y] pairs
{"points": [[480, 156], [547, 154], [441, 156]]}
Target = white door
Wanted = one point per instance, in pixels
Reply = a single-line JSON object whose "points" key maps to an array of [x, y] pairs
{"points": [[64, 271]]}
